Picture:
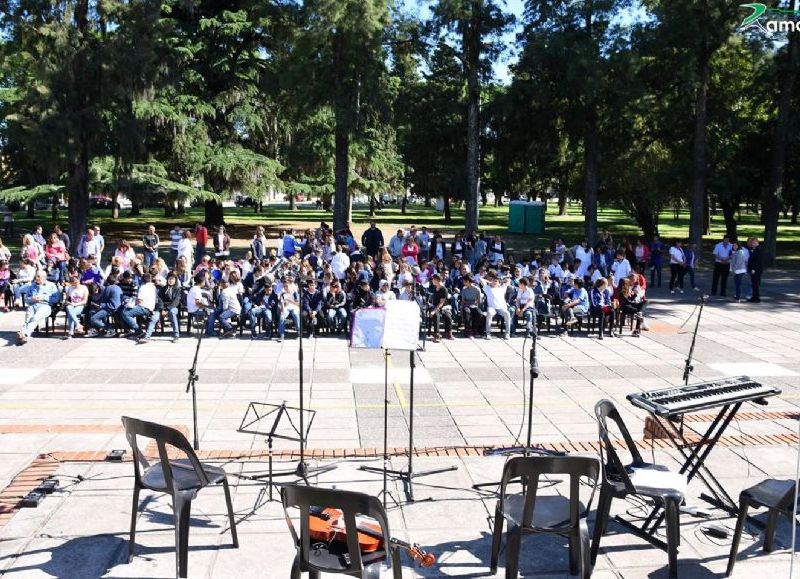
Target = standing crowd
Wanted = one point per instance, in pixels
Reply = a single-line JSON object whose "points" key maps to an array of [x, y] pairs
{"points": [[317, 279]]}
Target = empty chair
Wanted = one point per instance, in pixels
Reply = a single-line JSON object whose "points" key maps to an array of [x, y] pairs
{"points": [[345, 558], [775, 495], [181, 478], [527, 513], [655, 482]]}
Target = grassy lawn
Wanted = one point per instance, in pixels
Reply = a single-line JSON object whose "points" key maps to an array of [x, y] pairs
{"points": [[242, 221]]}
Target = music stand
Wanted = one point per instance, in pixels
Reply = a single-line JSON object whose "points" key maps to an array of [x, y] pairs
{"points": [[282, 422], [399, 326]]}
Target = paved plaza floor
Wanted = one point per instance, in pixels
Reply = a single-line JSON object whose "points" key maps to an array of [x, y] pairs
{"points": [[61, 403]]}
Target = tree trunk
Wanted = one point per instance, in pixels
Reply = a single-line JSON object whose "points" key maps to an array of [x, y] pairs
{"points": [[115, 205], [698, 188], [292, 202], [342, 170], [54, 209], [30, 212], [372, 205], [214, 214], [135, 210], [562, 202], [427, 200], [645, 216], [591, 162], [472, 50], [447, 216], [778, 161], [181, 207], [729, 207], [78, 191]]}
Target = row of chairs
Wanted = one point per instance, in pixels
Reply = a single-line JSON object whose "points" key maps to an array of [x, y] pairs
{"points": [[521, 513]]}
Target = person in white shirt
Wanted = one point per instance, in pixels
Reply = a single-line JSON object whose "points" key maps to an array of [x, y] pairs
{"points": [[583, 252], [722, 266], [340, 262], [185, 248], [621, 267], [496, 304], [198, 302], [230, 306], [677, 266], [145, 306], [554, 270], [524, 309], [384, 294]]}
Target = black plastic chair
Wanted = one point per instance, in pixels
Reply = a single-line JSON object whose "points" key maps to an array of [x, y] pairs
{"points": [[313, 557], [528, 513], [181, 478], [775, 495], [666, 488]]}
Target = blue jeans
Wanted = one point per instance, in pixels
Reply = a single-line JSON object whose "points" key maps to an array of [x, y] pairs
{"points": [[99, 319], [737, 280], [225, 319], [173, 320], [210, 322], [150, 258], [289, 312], [199, 252], [256, 314], [34, 315], [73, 317], [337, 318], [129, 316], [529, 316]]}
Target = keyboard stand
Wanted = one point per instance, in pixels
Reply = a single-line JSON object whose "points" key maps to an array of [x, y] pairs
{"points": [[695, 454]]}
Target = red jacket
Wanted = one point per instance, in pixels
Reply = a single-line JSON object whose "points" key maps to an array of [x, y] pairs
{"points": [[201, 235]]}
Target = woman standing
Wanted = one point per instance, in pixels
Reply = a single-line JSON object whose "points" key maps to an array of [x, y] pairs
{"points": [[185, 249], [410, 251], [739, 259], [677, 265]]}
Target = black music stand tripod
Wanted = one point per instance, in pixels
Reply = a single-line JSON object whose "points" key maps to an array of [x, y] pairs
{"points": [[273, 417], [406, 475], [689, 368]]}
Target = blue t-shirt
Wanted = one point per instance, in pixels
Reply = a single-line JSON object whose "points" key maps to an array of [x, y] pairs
{"points": [[581, 295]]}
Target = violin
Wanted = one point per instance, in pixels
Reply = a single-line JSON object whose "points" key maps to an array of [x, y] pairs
{"points": [[327, 525]]}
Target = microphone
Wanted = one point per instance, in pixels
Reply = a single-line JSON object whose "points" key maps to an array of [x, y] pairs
{"points": [[534, 364]]}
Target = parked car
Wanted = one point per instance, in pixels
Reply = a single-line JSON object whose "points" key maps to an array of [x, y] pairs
{"points": [[100, 202]]}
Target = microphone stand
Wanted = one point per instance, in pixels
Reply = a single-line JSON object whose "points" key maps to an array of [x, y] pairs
{"points": [[303, 469], [529, 449], [689, 368], [192, 381]]}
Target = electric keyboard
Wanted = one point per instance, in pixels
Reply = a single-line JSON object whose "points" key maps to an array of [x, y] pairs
{"points": [[695, 397]]}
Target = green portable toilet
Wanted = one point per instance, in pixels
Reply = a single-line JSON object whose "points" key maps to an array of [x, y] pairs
{"points": [[526, 217], [534, 217], [516, 217]]}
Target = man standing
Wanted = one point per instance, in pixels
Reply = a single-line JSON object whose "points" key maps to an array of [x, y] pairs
{"points": [[175, 236], [396, 244], [88, 246], [101, 245], [656, 260], [201, 239], [424, 242], [150, 243], [372, 240], [222, 243], [259, 244], [755, 265], [722, 266], [37, 296]]}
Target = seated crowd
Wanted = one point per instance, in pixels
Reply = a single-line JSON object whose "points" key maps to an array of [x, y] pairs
{"points": [[317, 280]]}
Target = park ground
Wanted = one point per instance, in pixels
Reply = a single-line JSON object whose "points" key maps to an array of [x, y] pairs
{"points": [[241, 223], [61, 403]]}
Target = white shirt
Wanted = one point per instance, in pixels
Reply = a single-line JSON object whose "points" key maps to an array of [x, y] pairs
{"points": [[676, 256], [230, 299], [621, 268], [195, 294], [147, 296], [495, 297], [384, 297], [339, 264], [523, 297], [585, 255], [722, 252]]}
